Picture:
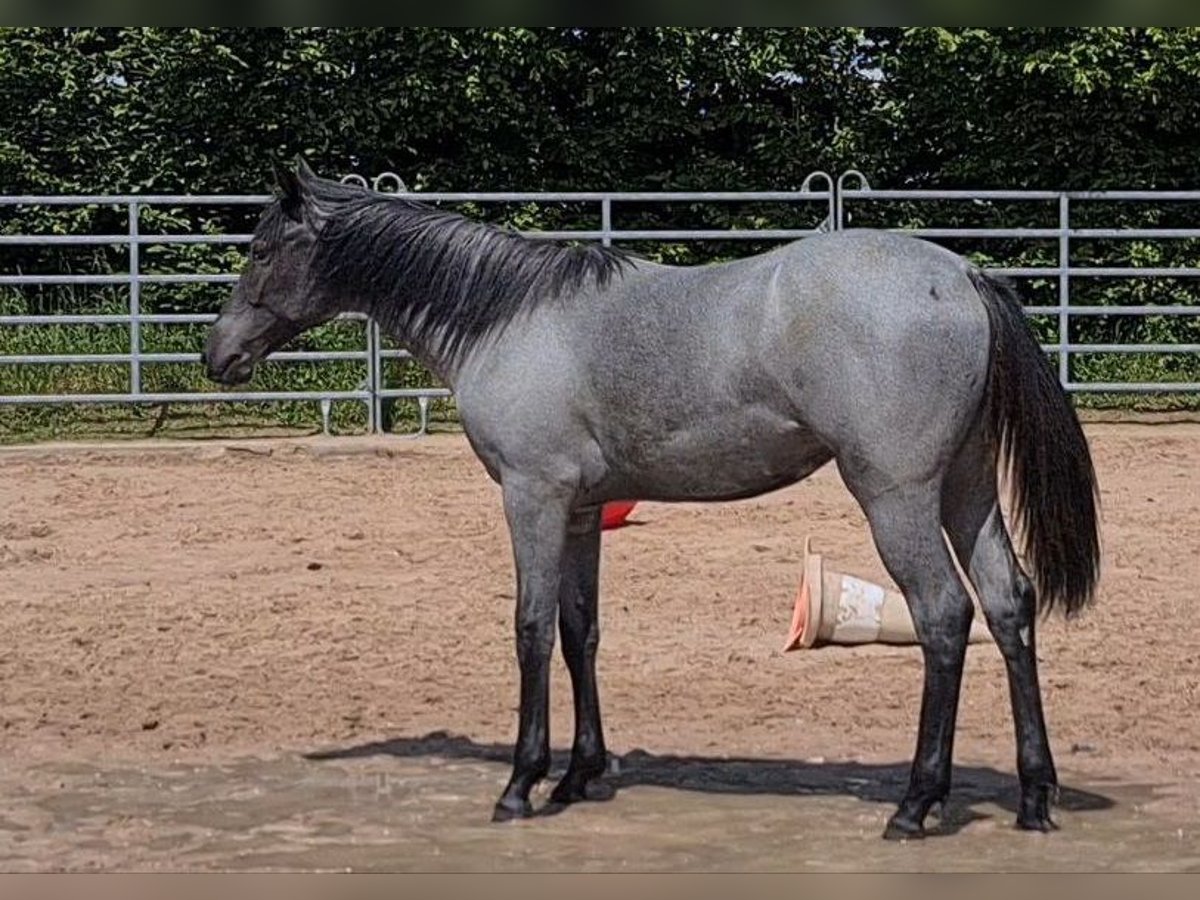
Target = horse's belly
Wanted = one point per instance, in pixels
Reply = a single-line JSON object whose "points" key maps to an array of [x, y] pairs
{"points": [[716, 460]]}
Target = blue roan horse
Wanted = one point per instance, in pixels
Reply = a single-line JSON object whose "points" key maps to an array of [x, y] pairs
{"points": [[584, 375]]}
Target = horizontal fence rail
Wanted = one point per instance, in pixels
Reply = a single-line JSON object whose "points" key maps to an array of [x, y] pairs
{"points": [[1062, 231]]}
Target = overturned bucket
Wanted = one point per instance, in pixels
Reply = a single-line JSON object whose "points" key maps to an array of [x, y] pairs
{"points": [[835, 608]]}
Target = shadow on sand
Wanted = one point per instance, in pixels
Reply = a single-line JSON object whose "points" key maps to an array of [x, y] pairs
{"points": [[872, 783]]}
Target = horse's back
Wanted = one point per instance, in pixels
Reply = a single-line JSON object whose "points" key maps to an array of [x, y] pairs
{"points": [[836, 298]]}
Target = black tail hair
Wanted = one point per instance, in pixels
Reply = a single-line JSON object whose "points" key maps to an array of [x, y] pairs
{"points": [[1041, 447]]}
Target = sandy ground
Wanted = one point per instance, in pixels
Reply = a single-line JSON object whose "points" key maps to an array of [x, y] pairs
{"points": [[186, 625]]}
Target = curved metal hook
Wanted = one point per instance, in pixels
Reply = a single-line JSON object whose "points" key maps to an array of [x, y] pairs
{"points": [[382, 177], [806, 184], [863, 185], [377, 183]]}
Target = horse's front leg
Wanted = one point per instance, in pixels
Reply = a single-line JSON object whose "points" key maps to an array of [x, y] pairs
{"points": [[579, 625], [537, 517]]}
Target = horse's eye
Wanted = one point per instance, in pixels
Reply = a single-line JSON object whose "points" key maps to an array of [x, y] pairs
{"points": [[259, 252]]}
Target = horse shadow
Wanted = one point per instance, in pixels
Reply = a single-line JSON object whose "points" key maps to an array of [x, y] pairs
{"points": [[884, 783]]}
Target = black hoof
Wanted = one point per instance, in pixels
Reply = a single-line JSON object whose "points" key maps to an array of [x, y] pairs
{"points": [[574, 789], [1034, 812], [901, 829], [1041, 822], [508, 809]]}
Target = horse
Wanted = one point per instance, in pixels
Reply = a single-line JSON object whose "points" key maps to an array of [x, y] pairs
{"points": [[585, 374]]}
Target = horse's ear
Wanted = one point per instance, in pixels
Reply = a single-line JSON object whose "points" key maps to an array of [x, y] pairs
{"points": [[304, 170], [291, 193]]}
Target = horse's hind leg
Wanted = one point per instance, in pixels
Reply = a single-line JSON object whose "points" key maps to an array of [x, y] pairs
{"points": [[973, 521], [579, 625], [906, 526]]}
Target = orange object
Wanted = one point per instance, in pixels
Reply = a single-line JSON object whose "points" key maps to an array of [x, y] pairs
{"points": [[800, 635], [613, 514]]}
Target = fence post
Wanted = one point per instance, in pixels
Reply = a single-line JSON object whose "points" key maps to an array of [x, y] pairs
{"points": [[606, 221], [135, 304], [375, 370], [374, 378], [1064, 287]]}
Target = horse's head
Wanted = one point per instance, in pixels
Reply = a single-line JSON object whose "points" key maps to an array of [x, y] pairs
{"points": [[276, 297]]}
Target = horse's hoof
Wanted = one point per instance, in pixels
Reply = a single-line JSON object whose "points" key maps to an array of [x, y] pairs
{"points": [[575, 790], [568, 791], [901, 829], [507, 809], [599, 791], [1038, 822], [1034, 811]]}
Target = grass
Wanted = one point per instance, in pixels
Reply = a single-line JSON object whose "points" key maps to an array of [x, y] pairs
{"points": [[22, 423]]}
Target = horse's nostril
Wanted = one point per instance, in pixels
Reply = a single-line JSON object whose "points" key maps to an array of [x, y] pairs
{"points": [[229, 368]]}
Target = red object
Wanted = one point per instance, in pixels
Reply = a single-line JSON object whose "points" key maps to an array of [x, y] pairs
{"points": [[613, 514]]}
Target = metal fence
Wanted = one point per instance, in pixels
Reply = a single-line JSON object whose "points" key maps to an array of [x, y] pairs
{"points": [[823, 203]]}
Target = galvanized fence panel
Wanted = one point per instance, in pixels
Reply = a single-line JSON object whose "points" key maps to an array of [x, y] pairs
{"points": [[833, 204]]}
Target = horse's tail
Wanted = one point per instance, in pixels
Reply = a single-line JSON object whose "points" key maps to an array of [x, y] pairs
{"points": [[1041, 448]]}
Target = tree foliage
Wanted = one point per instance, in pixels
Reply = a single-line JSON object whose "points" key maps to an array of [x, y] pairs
{"points": [[1055, 108], [156, 109]]}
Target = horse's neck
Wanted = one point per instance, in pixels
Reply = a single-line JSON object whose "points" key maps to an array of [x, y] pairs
{"points": [[428, 345], [425, 350]]}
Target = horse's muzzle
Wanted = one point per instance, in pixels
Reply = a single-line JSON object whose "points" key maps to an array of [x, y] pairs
{"points": [[228, 369]]}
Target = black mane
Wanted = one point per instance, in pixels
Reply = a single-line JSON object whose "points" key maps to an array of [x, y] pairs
{"points": [[437, 277]]}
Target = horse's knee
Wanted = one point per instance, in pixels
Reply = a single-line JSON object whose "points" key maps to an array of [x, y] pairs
{"points": [[535, 640]]}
